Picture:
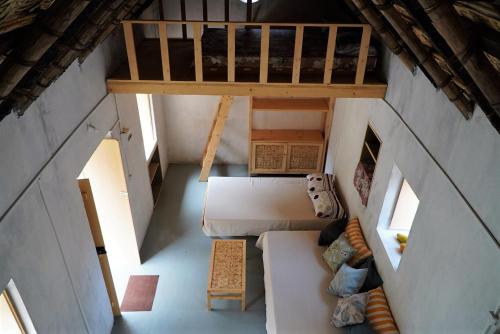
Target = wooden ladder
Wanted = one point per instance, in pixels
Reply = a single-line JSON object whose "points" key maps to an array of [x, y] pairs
{"points": [[214, 136]]}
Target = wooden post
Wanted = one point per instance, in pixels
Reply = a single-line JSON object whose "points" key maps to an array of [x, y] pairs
{"points": [[214, 138], [297, 54], [165, 61], [330, 54], [198, 60], [264, 52], [130, 45], [363, 55], [231, 36], [327, 125]]}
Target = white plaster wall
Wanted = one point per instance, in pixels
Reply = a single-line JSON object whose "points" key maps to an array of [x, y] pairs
{"points": [[448, 279], [45, 241], [188, 119], [136, 168]]}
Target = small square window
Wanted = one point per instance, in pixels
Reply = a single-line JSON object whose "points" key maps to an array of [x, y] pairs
{"points": [[397, 215]]}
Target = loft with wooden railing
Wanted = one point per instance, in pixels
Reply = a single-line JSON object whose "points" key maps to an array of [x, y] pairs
{"points": [[249, 59]]}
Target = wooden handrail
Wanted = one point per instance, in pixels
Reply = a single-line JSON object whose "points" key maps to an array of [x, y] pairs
{"points": [[264, 47]]}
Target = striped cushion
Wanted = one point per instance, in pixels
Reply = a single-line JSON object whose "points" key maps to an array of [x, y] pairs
{"points": [[379, 314], [355, 237]]}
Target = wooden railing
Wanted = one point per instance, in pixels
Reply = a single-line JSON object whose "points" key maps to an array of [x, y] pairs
{"points": [[197, 27]]}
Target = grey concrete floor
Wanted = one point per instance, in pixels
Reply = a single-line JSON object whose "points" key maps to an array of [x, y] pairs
{"points": [[176, 248]]}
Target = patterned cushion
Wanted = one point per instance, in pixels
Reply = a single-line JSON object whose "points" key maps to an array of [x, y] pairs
{"points": [[326, 204], [347, 281], [356, 239], [338, 253], [350, 310], [379, 314], [320, 182]]}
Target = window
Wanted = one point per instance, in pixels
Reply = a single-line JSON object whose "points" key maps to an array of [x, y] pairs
{"points": [[14, 317], [406, 208], [147, 119], [397, 215]]}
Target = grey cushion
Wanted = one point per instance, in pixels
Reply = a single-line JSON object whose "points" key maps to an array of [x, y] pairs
{"points": [[347, 281], [350, 310], [331, 232], [338, 253]]}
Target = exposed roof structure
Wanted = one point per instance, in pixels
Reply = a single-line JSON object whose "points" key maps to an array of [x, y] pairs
{"points": [[455, 43]]}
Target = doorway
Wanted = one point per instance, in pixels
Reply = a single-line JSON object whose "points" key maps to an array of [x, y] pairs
{"points": [[105, 197]]}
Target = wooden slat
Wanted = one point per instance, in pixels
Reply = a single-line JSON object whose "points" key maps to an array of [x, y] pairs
{"points": [[309, 136], [375, 90], [198, 64], [231, 49], [264, 53], [290, 104], [165, 62], [363, 55], [213, 141], [183, 18], [130, 45], [330, 53], [297, 54]]}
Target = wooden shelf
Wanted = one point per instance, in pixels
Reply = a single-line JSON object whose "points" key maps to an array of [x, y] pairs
{"points": [[290, 104], [153, 168], [288, 135]]}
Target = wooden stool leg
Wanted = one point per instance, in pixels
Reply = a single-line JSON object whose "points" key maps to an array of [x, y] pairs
{"points": [[209, 302]]}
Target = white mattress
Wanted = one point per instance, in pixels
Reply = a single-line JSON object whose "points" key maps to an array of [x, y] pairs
{"points": [[239, 206], [296, 282]]}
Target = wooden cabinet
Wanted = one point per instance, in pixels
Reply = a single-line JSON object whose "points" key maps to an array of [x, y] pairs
{"points": [[289, 151], [286, 151]]}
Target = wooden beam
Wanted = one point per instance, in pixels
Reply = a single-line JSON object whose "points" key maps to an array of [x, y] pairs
{"points": [[198, 60], [376, 90], [165, 61], [231, 49], [330, 54], [297, 54], [215, 136], [128, 30], [264, 53], [183, 18], [363, 55]]}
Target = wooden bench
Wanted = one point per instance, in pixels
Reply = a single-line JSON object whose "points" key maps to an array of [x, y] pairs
{"points": [[227, 272]]}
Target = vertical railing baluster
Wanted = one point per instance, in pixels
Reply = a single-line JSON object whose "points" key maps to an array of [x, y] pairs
{"points": [[264, 52], [231, 50], [128, 30], [330, 54], [165, 61], [297, 54], [198, 60], [363, 55]]}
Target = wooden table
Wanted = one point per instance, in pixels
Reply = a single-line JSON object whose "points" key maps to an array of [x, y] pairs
{"points": [[227, 272]]}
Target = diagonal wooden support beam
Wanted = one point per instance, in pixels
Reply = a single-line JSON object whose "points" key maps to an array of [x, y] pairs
{"points": [[215, 135]]}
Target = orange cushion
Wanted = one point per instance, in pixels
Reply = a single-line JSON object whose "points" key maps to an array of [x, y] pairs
{"points": [[379, 314], [355, 237]]}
